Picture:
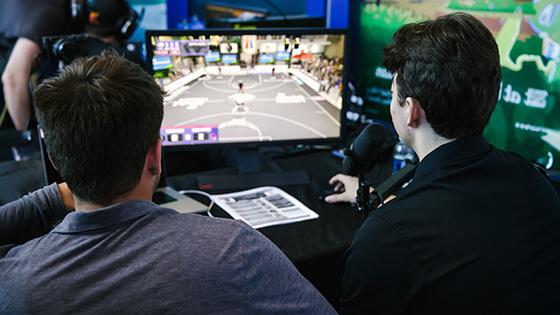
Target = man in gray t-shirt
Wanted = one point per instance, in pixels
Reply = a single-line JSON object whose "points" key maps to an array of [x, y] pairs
{"points": [[119, 252]]}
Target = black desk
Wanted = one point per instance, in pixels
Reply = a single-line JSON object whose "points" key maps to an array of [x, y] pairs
{"points": [[317, 246], [333, 229]]}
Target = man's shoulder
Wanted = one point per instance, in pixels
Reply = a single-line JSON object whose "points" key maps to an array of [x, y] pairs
{"points": [[513, 171], [516, 163], [198, 222], [204, 232], [244, 244], [196, 225]]}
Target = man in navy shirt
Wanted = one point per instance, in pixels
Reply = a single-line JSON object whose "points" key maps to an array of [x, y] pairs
{"points": [[119, 253]]}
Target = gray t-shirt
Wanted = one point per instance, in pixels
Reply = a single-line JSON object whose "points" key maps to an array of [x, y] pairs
{"points": [[137, 257]]}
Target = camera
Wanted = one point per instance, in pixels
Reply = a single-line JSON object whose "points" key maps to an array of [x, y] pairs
{"points": [[64, 49]]}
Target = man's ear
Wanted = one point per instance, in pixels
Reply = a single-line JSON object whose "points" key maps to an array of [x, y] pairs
{"points": [[414, 112], [153, 158]]}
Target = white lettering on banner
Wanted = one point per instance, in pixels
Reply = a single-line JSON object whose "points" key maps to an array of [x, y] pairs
{"points": [[511, 96], [383, 73], [536, 98], [528, 127]]}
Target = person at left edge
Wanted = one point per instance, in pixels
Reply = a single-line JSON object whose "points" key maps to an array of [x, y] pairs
{"points": [[22, 25]]}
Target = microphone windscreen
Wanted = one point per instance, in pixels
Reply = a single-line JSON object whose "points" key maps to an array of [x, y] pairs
{"points": [[369, 141], [365, 148]]}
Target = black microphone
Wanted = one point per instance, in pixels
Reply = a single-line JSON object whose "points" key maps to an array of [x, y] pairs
{"points": [[364, 149]]}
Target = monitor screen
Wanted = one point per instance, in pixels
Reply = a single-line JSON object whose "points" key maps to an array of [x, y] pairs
{"points": [[257, 92], [527, 115]]}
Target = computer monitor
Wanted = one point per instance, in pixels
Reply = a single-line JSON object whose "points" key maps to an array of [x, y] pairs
{"points": [[248, 87], [527, 115]]}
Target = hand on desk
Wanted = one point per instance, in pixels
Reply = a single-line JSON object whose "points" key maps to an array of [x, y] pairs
{"points": [[345, 188]]}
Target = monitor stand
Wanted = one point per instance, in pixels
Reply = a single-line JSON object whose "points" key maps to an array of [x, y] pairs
{"points": [[250, 174]]}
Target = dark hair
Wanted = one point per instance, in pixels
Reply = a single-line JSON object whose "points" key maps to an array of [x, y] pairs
{"points": [[100, 116], [451, 66]]}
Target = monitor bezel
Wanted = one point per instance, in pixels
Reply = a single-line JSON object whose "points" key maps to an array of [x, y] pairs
{"points": [[262, 31]]}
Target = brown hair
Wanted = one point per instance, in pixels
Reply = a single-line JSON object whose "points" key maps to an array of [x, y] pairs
{"points": [[100, 115], [451, 66]]}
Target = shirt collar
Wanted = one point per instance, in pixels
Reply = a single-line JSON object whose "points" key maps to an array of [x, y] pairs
{"points": [[457, 150], [80, 221]]}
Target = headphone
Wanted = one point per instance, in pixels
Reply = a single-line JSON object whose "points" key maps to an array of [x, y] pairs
{"points": [[90, 13]]}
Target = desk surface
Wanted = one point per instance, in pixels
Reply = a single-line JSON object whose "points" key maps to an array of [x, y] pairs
{"points": [[317, 246], [332, 231]]}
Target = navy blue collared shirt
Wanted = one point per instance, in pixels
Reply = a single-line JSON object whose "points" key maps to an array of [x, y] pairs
{"points": [[139, 258]]}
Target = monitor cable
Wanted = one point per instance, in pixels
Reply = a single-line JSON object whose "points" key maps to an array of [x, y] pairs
{"points": [[202, 193]]}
